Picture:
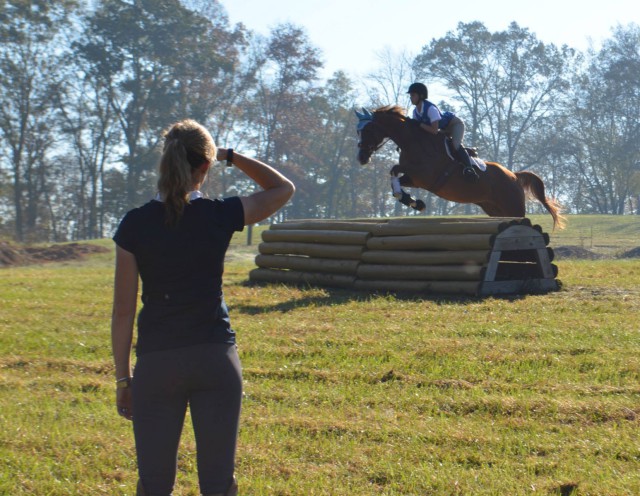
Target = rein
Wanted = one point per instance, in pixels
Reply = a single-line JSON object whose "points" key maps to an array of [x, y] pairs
{"points": [[371, 149]]}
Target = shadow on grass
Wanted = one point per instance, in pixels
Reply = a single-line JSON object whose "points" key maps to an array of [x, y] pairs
{"points": [[335, 296]]}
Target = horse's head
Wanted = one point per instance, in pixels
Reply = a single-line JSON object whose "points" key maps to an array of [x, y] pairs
{"points": [[373, 127], [370, 136]]}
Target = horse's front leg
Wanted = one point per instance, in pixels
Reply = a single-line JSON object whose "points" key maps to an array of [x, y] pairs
{"points": [[401, 195], [398, 180]]}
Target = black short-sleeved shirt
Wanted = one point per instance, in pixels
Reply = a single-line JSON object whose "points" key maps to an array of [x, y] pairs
{"points": [[181, 270]]}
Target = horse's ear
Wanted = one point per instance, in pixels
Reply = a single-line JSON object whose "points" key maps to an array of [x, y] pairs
{"points": [[365, 115]]}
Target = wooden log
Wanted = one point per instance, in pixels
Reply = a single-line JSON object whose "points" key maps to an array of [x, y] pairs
{"points": [[346, 252], [445, 228], [398, 257], [431, 242], [316, 236], [307, 264], [448, 220], [420, 272], [325, 225], [301, 278], [436, 287]]}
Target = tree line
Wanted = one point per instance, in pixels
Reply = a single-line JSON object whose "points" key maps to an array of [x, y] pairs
{"points": [[88, 86]]}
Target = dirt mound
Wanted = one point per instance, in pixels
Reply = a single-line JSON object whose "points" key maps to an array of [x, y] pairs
{"points": [[575, 252], [633, 253], [16, 255], [10, 255]]}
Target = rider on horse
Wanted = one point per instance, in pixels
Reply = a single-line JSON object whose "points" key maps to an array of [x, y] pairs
{"points": [[432, 121]]}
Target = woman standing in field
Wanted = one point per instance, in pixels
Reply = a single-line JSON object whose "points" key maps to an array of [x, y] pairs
{"points": [[186, 353]]}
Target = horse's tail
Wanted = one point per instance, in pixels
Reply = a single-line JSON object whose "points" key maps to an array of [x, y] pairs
{"points": [[532, 184]]}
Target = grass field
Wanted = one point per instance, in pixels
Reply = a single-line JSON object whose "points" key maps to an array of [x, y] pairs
{"points": [[348, 393]]}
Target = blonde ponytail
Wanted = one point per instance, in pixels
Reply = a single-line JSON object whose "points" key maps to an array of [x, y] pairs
{"points": [[187, 146]]}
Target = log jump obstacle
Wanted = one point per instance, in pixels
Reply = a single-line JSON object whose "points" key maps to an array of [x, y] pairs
{"points": [[469, 256]]}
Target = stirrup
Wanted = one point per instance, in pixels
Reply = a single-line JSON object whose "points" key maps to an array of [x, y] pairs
{"points": [[470, 174]]}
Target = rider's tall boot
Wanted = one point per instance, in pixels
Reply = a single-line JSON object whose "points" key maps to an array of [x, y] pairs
{"points": [[468, 172]]}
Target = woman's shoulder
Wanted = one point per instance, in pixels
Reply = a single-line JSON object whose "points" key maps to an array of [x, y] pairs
{"points": [[430, 104], [218, 203], [227, 212], [149, 208]]}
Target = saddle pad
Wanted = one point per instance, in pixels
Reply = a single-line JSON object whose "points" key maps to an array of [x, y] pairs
{"points": [[479, 163]]}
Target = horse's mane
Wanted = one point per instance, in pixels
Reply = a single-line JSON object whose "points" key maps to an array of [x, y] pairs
{"points": [[396, 110]]}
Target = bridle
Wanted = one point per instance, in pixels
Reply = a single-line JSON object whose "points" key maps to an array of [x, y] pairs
{"points": [[370, 149]]}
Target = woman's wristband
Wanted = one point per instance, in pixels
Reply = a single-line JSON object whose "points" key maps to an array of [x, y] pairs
{"points": [[229, 157], [123, 383]]}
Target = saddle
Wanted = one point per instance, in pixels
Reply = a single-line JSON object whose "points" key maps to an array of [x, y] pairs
{"points": [[473, 155]]}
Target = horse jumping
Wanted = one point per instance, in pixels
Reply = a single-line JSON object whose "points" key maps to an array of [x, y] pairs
{"points": [[424, 163]]}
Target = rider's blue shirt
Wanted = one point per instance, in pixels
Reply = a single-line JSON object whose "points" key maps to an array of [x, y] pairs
{"points": [[431, 113]]}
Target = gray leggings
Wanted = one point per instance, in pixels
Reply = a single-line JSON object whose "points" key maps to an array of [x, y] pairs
{"points": [[208, 379], [455, 130]]}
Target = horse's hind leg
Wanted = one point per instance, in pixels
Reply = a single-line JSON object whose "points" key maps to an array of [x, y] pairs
{"points": [[401, 195]]}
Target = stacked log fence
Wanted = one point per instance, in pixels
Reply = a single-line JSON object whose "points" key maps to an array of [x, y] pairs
{"points": [[470, 256]]}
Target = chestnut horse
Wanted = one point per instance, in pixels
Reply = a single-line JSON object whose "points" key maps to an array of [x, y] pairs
{"points": [[425, 163]]}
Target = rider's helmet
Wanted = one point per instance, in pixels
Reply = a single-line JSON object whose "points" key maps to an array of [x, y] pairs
{"points": [[420, 89]]}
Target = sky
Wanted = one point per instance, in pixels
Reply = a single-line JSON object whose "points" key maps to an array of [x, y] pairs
{"points": [[350, 33]]}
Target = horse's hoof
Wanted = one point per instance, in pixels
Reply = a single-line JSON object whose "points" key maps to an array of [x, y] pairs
{"points": [[419, 206]]}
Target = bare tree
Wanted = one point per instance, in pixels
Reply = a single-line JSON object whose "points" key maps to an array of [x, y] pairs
{"points": [[463, 61], [150, 56], [29, 82], [605, 126], [504, 83], [389, 83], [89, 124]]}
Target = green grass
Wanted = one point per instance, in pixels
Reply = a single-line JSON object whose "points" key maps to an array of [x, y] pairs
{"points": [[604, 234], [346, 393]]}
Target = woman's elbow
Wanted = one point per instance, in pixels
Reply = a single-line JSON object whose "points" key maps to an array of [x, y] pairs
{"points": [[290, 189], [123, 312], [286, 191]]}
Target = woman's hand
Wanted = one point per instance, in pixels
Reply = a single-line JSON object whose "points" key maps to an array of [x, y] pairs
{"points": [[430, 128], [124, 403]]}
